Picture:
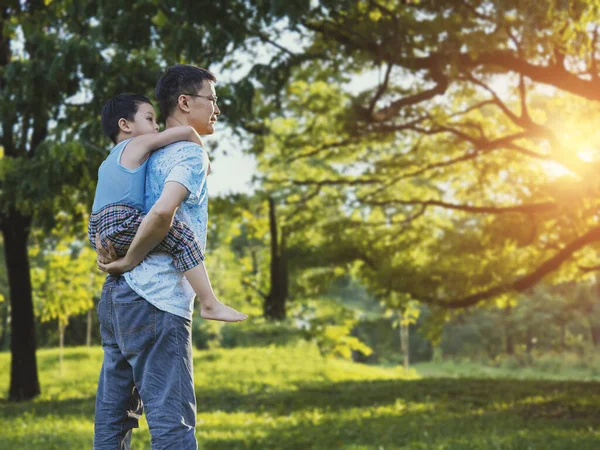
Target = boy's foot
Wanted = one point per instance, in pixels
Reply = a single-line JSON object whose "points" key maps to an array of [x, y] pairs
{"points": [[218, 311]]}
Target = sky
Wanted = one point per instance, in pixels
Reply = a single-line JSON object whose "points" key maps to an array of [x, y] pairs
{"points": [[231, 169]]}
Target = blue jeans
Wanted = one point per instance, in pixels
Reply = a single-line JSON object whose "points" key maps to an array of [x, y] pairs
{"points": [[152, 349]]}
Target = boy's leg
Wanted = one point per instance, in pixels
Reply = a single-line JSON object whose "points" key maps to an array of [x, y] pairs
{"points": [[112, 424], [181, 242], [158, 346]]}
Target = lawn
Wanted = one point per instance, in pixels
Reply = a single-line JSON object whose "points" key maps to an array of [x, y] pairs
{"points": [[290, 398]]}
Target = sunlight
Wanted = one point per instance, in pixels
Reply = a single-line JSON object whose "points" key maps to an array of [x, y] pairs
{"points": [[557, 170], [588, 154]]}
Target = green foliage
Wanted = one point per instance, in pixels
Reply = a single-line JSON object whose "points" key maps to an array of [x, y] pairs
{"points": [[259, 333], [65, 281], [329, 325], [550, 319], [384, 339]]}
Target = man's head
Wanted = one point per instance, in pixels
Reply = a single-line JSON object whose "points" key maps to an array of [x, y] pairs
{"points": [[187, 93], [128, 115]]}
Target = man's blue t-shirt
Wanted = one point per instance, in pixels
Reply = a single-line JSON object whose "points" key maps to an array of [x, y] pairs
{"points": [[156, 279]]}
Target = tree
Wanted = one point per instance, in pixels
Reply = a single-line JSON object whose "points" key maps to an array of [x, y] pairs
{"points": [[466, 190], [4, 309], [65, 284]]}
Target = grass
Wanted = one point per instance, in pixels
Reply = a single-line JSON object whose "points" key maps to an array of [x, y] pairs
{"points": [[290, 398], [455, 369]]}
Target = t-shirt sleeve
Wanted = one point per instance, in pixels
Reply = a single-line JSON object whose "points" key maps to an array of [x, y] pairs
{"points": [[190, 170]]}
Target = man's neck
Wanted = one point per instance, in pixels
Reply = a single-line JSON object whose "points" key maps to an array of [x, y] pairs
{"points": [[175, 121]]}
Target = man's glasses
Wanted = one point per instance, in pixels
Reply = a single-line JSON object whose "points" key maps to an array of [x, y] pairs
{"points": [[212, 98]]}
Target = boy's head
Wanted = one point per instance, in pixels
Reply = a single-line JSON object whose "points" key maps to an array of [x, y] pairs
{"points": [[128, 115], [188, 92]]}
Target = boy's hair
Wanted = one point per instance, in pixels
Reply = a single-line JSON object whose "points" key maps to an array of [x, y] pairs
{"points": [[122, 106], [179, 79]]}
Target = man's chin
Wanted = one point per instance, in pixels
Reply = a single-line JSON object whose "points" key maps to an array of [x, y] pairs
{"points": [[210, 129]]}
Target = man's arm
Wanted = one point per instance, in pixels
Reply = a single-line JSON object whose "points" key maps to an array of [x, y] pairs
{"points": [[140, 147], [152, 230]]}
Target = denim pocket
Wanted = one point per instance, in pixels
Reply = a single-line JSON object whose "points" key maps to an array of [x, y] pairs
{"points": [[106, 331], [104, 314], [136, 322]]}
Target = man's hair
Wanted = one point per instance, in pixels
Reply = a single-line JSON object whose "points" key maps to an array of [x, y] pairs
{"points": [[122, 106], [179, 79]]}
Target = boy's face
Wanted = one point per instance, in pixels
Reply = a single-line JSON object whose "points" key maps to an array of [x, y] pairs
{"points": [[144, 121]]}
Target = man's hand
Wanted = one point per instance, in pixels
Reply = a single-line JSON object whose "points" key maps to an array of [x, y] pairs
{"points": [[109, 261]]}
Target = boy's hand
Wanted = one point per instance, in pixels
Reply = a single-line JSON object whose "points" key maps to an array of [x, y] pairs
{"points": [[109, 261], [116, 268], [105, 256]]}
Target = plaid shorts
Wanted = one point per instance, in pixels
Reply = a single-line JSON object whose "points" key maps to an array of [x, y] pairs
{"points": [[117, 223]]}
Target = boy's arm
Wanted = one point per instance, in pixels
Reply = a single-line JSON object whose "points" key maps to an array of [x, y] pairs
{"points": [[152, 230], [140, 147]]}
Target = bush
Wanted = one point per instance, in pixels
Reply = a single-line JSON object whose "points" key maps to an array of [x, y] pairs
{"points": [[259, 333], [206, 334], [384, 339], [329, 325]]}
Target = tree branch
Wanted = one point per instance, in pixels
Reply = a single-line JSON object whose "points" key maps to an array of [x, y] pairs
{"points": [[593, 62], [525, 208], [254, 288], [380, 90], [527, 281], [553, 75], [317, 150]]}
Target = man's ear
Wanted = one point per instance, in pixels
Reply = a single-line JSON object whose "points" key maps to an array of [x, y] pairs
{"points": [[182, 102], [124, 125]]}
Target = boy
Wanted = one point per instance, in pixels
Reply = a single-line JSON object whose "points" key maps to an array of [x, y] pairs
{"points": [[129, 121]]}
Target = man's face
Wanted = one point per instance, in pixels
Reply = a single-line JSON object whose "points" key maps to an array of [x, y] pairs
{"points": [[203, 109]]}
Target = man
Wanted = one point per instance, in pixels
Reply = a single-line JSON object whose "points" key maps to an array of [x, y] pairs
{"points": [[145, 315]]}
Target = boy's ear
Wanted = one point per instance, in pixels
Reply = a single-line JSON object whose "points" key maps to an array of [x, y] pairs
{"points": [[124, 125]]}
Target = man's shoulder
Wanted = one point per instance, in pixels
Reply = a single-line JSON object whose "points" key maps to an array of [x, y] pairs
{"points": [[179, 147], [176, 152]]}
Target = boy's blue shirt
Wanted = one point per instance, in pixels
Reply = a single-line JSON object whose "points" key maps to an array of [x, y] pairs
{"points": [[117, 184], [156, 278]]}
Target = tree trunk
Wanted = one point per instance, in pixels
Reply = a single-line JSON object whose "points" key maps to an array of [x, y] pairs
{"points": [[595, 332], [274, 307], [254, 273], [88, 334], [529, 345], [404, 340], [24, 383], [4, 325], [509, 342], [61, 346], [529, 339]]}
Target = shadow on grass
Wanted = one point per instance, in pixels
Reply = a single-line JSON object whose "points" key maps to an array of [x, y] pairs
{"points": [[451, 394], [53, 440], [527, 398], [58, 408]]}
